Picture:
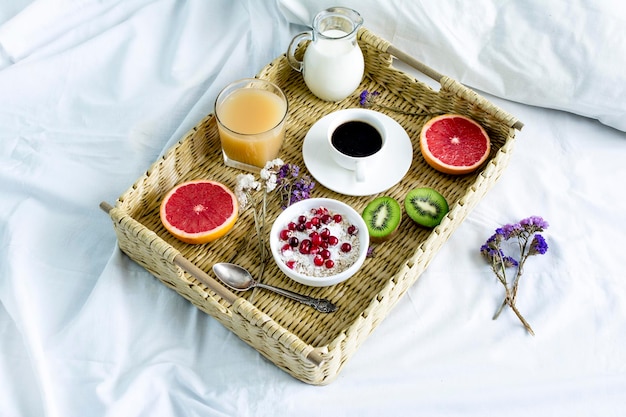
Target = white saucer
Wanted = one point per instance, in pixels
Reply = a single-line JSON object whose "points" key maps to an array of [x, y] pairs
{"points": [[384, 174]]}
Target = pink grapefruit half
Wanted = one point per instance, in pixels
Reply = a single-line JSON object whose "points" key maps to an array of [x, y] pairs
{"points": [[199, 211], [454, 144]]}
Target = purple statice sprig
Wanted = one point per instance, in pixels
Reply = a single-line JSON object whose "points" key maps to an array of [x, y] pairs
{"points": [[526, 233], [367, 99], [373, 100], [292, 186]]}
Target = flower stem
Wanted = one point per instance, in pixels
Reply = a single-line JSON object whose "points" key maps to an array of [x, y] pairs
{"points": [[499, 310], [259, 225], [421, 112], [508, 300], [522, 319]]}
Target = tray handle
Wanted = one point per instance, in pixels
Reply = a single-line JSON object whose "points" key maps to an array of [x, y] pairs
{"points": [[315, 356], [421, 67], [188, 266], [428, 71]]}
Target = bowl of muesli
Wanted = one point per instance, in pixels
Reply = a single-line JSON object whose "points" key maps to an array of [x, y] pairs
{"points": [[319, 241]]}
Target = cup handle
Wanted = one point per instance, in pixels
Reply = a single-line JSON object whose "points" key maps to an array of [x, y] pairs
{"points": [[291, 51], [360, 171]]}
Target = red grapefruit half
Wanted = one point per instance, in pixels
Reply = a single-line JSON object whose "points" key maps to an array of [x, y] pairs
{"points": [[199, 211], [454, 144]]}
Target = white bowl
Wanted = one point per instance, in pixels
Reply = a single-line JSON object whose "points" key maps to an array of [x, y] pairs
{"points": [[292, 212]]}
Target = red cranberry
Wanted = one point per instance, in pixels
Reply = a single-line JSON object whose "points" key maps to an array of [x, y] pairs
{"points": [[346, 247], [316, 239], [318, 260], [325, 253], [305, 247], [284, 234], [329, 263], [333, 240]]}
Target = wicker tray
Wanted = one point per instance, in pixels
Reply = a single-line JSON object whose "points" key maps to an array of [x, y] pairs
{"points": [[313, 347]]}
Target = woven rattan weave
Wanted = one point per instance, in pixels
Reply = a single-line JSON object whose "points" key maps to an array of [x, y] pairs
{"points": [[311, 346]]}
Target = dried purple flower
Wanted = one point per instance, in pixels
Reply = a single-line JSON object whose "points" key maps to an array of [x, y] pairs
{"points": [[509, 262], [301, 190], [286, 171], [538, 246], [489, 251], [292, 186], [363, 97], [492, 251], [495, 256], [366, 99], [509, 230], [534, 222]]}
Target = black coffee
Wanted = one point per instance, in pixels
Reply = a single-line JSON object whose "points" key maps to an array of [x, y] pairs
{"points": [[357, 139]]}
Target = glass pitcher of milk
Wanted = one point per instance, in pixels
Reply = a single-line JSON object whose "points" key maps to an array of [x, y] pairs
{"points": [[333, 65]]}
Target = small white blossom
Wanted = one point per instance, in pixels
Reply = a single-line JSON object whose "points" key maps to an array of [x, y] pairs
{"points": [[242, 198], [268, 169], [268, 173], [265, 173], [270, 183], [246, 182], [275, 163]]}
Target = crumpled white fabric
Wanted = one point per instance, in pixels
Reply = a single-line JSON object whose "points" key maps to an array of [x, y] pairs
{"points": [[561, 55], [88, 104], [92, 92]]}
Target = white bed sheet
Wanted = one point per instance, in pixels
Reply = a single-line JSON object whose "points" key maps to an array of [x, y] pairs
{"points": [[92, 92]]}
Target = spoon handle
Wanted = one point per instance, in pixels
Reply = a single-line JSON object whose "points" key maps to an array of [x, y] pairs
{"points": [[320, 304]]}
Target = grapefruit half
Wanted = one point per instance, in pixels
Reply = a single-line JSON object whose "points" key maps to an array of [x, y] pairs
{"points": [[454, 144], [199, 211]]}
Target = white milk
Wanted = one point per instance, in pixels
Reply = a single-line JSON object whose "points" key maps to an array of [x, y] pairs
{"points": [[333, 68]]}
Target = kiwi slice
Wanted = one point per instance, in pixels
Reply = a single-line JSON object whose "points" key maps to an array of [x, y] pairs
{"points": [[382, 217], [425, 206]]}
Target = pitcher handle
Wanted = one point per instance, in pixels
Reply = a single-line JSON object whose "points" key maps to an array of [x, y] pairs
{"points": [[291, 51]]}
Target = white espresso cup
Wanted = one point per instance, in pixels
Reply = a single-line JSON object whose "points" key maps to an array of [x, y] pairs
{"points": [[356, 140]]}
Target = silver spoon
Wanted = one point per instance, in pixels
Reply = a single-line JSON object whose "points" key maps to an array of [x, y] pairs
{"points": [[239, 279]]}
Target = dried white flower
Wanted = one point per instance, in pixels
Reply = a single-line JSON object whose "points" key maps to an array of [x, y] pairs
{"points": [[275, 163], [265, 173], [268, 173], [242, 198], [245, 185], [246, 182], [270, 183]]}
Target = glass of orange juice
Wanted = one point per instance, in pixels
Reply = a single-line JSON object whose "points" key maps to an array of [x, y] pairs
{"points": [[251, 115]]}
